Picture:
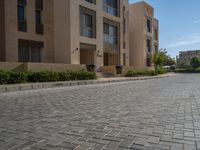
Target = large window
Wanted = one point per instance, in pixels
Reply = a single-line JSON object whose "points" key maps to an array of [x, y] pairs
{"points": [[156, 34], [87, 23], [149, 25], [22, 25], [38, 16], [124, 27], [149, 45], [155, 48], [110, 34], [111, 7], [29, 51]]}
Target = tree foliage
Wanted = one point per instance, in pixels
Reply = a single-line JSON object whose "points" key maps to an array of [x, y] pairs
{"points": [[195, 62], [162, 58]]}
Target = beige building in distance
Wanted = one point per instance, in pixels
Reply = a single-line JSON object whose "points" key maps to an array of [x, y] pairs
{"points": [[185, 57], [65, 31], [144, 31]]}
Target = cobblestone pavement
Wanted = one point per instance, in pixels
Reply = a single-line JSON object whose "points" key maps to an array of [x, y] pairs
{"points": [[152, 114]]}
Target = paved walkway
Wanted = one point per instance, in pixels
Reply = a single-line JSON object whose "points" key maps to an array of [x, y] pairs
{"points": [[152, 114]]}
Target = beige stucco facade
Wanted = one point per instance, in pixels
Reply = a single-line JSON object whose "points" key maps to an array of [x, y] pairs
{"points": [[185, 57], [140, 13], [61, 40]]}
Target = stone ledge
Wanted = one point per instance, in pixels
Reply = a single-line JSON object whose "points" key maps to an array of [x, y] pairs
{"points": [[30, 86]]}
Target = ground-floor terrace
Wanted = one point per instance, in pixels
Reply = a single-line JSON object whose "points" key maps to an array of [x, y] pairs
{"points": [[161, 114]]}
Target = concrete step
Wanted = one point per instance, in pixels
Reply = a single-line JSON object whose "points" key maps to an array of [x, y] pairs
{"points": [[104, 75]]}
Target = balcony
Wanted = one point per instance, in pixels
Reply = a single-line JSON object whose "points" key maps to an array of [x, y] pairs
{"points": [[22, 25], [110, 43], [111, 10], [87, 32]]}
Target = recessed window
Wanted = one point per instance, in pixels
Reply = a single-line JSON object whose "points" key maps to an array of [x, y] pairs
{"points": [[29, 51], [156, 34], [156, 48], [149, 45], [22, 25], [87, 23], [111, 7], [149, 25], [38, 16], [110, 34]]}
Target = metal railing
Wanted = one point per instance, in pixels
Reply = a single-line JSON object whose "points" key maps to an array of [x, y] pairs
{"points": [[87, 32], [110, 39], [110, 10]]}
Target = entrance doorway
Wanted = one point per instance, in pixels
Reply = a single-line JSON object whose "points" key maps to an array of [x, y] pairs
{"points": [[87, 54], [110, 59]]}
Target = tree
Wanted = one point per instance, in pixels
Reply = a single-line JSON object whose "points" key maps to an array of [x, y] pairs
{"points": [[158, 59], [195, 62], [167, 59]]}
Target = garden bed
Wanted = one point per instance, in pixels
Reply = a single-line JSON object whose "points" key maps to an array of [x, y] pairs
{"points": [[9, 77]]}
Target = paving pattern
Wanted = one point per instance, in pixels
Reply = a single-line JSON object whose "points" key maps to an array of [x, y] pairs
{"points": [[157, 114]]}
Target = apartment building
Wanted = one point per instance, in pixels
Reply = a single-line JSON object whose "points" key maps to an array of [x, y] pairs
{"points": [[144, 34], [185, 57], [65, 31]]}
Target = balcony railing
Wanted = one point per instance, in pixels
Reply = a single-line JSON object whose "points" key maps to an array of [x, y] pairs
{"points": [[21, 2], [87, 32], [39, 28], [110, 10], [22, 25], [110, 39]]}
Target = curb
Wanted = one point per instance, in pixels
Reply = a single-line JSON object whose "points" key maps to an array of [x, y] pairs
{"points": [[31, 86]]}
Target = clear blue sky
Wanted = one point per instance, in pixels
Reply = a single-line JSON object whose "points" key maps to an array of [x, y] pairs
{"points": [[179, 24]]}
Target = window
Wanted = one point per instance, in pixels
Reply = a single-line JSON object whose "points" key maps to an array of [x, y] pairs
{"points": [[111, 7], [91, 1], [110, 34], [156, 34], [149, 45], [29, 51], [124, 28], [21, 14], [87, 23], [38, 16], [148, 25], [156, 48], [124, 59], [22, 25]]}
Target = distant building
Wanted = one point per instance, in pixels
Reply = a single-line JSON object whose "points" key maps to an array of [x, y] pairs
{"points": [[144, 34], [185, 57]]}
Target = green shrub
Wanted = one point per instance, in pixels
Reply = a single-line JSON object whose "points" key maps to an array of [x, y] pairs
{"points": [[195, 62], [8, 77], [187, 70], [160, 70], [17, 77], [64, 76], [132, 73], [83, 75], [45, 76], [4, 77]]}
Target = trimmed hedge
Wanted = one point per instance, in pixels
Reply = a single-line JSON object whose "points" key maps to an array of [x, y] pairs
{"points": [[187, 71], [157, 71], [4, 77], [8, 77]]}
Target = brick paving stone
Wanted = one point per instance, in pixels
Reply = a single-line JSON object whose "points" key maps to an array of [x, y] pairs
{"points": [[158, 114]]}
